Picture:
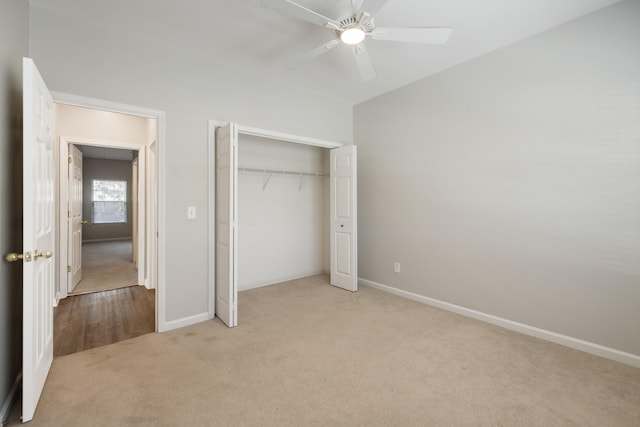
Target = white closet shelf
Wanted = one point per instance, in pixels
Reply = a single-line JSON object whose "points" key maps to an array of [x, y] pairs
{"points": [[271, 172], [282, 172]]}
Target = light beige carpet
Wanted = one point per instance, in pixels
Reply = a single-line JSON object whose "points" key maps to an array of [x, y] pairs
{"points": [[106, 266], [306, 353]]}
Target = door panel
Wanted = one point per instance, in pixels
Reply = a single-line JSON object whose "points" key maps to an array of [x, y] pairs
{"points": [[343, 246], [343, 223], [226, 222], [75, 217], [38, 237]]}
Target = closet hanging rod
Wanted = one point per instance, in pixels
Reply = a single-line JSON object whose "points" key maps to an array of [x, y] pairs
{"points": [[280, 171]]}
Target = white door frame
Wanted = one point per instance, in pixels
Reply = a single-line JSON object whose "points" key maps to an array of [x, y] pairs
{"points": [[159, 238], [143, 276], [211, 144]]}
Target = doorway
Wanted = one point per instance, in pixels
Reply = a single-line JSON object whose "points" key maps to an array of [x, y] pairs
{"points": [[107, 225], [103, 222], [341, 206]]}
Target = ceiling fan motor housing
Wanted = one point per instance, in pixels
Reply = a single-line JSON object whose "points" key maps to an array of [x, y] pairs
{"points": [[366, 25]]}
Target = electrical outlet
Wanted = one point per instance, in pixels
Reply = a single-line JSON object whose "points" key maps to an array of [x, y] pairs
{"points": [[191, 212], [396, 267]]}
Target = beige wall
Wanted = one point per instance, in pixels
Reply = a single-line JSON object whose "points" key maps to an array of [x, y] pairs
{"points": [[14, 44], [77, 122], [511, 184]]}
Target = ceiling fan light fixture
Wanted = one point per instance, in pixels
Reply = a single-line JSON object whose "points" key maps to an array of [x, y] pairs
{"points": [[352, 35]]}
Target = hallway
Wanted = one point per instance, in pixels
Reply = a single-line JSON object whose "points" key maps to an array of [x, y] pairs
{"points": [[105, 266], [92, 320]]}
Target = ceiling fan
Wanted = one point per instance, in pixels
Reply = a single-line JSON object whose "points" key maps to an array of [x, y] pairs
{"points": [[353, 27]]}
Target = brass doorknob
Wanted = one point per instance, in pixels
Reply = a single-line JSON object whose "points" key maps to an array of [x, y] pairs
{"points": [[45, 254], [84, 222], [13, 257]]}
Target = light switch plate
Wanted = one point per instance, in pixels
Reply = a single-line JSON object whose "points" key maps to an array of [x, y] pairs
{"points": [[191, 212]]}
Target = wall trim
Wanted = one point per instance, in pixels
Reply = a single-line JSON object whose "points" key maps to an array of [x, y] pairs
{"points": [[8, 402], [185, 321], [270, 282], [107, 239], [567, 341]]}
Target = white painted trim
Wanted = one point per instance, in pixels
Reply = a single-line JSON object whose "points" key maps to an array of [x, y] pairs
{"points": [[281, 136], [102, 142], [101, 104], [186, 321], [161, 119], [152, 221], [161, 221], [8, 402], [281, 279], [567, 341], [141, 256], [108, 239], [211, 182]]}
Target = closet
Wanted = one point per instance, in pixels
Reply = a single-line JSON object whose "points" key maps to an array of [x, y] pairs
{"points": [[285, 208]]}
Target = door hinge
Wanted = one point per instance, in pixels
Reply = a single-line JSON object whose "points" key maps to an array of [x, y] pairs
{"points": [[68, 214], [68, 269], [70, 159]]}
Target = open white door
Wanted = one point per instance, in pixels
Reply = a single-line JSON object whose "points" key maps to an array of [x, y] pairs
{"points": [[344, 220], [226, 222], [38, 237], [75, 217]]}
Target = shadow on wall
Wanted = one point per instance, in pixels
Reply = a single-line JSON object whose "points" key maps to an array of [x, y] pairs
{"points": [[11, 309], [15, 152]]}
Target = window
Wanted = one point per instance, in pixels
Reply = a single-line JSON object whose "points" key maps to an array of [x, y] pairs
{"points": [[108, 202]]}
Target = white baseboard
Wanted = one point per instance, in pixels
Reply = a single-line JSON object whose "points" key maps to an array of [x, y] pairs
{"points": [[7, 405], [278, 280], [107, 239], [185, 321], [575, 343]]}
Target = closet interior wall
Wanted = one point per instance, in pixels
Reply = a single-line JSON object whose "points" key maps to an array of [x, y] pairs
{"points": [[283, 218]]}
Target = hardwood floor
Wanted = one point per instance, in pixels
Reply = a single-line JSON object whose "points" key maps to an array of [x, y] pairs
{"points": [[92, 320]]}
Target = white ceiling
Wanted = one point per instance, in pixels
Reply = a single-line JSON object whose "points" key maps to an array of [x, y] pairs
{"points": [[258, 41]]}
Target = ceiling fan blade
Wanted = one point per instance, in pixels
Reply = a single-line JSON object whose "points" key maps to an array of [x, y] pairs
{"points": [[372, 6], [413, 35], [298, 11], [308, 56], [367, 72]]}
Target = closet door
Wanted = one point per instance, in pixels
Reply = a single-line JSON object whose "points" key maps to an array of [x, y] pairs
{"points": [[344, 221], [226, 304]]}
